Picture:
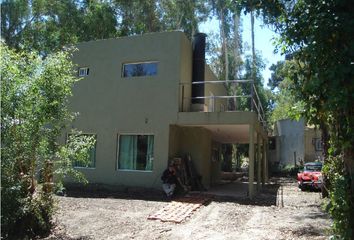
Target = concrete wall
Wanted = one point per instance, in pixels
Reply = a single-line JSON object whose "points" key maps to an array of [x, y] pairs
{"points": [[215, 165], [197, 142], [186, 75], [110, 105], [293, 136], [274, 154], [313, 146], [215, 105], [209, 89], [291, 141]]}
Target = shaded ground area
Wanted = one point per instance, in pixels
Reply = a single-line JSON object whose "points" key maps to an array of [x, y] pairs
{"points": [[280, 211]]}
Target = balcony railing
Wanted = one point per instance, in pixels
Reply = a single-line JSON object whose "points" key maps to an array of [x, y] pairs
{"points": [[224, 96]]}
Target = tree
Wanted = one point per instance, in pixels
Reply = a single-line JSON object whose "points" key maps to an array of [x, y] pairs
{"points": [[183, 15], [34, 112], [277, 75], [99, 21], [253, 68], [318, 34], [285, 103], [47, 26]]}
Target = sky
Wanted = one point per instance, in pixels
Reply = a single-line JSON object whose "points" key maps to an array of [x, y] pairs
{"points": [[263, 40]]}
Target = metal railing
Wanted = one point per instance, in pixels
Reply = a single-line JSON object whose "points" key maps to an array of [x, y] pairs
{"points": [[224, 96]]}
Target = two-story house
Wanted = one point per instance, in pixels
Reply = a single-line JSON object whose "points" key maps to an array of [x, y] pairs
{"points": [[150, 98]]}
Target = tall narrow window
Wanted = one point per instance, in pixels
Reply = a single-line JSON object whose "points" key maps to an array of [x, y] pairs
{"points": [[271, 143], [136, 152], [140, 69]]}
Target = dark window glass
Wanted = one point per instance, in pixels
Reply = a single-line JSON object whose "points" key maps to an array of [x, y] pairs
{"points": [[139, 69], [84, 71], [136, 152], [272, 143]]}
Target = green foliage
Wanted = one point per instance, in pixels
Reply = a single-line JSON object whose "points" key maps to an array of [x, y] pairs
{"points": [[34, 112], [318, 36], [285, 104], [277, 76], [48, 26], [339, 204], [339, 207], [288, 170], [265, 95]]}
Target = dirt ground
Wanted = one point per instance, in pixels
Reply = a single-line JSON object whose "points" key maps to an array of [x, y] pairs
{"points": [[280, 211]]}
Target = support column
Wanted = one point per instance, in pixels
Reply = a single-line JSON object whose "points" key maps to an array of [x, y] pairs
{"points": [[259, 162], [266, 168], [263, 161], [251, 162]]}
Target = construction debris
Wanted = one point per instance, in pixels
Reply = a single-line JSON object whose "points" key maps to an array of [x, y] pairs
{"points": [[187, 173], [179, 209]]}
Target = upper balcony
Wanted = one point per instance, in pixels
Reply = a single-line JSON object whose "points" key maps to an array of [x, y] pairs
{"points": [[237, 96]]}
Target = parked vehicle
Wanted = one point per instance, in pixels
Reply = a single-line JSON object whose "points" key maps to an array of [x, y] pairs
{"points": [[310, 177]]}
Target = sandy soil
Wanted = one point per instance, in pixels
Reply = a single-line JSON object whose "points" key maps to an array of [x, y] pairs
{"points": [[280, 211]]}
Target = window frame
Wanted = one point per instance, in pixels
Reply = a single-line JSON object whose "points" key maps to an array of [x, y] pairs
{"points": [[95, 147], [136, 63], [87, 71], [117, 152]]}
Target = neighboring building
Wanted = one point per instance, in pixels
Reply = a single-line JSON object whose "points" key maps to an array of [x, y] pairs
{"points": [[151, 98], [294, 143]]}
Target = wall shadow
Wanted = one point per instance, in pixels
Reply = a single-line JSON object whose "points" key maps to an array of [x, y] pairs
{"points": [[267, 196], [114, 192]]}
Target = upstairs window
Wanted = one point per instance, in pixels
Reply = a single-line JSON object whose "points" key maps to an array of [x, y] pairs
{"points": [[140, 69], [83, 71]]}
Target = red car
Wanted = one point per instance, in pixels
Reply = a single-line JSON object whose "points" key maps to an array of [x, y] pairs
{"points": [[310, 177]]}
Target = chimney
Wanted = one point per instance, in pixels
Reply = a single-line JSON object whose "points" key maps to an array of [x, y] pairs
{"points": [[198, 67]]}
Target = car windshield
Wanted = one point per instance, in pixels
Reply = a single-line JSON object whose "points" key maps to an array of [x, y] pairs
{"points": [[313, 168]]}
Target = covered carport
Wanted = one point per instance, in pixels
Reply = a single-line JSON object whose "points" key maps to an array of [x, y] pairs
{"points": [[235, 127]]}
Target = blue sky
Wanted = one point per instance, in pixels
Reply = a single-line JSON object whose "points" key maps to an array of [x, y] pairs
{"points": [[263, 40]]}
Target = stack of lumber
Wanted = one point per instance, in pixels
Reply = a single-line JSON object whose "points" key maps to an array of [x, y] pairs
{"points": [[187, 173]]}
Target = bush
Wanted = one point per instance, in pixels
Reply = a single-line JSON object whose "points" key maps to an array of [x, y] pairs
{"points": [[34, 113], [339, 205], [290, 170]]}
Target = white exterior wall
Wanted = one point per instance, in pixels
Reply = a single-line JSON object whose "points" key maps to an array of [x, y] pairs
{"points": [[291, 141]]}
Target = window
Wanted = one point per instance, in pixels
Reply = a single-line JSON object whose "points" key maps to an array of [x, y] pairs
{"points": [[317, 142], [139, 69], [136, 152], [91, 162], [272, 143], [83, 71]]}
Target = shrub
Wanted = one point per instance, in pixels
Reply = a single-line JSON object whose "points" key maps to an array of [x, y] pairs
{"points": [[339, 205], [34, 113]]}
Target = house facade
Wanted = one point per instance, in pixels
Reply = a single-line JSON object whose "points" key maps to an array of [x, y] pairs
{"points": [[151, 98]]}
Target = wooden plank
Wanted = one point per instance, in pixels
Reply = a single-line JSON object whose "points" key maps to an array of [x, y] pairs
{"points": [[177, 211]]}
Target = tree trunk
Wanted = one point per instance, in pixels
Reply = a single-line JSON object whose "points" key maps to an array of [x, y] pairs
{"points": [[224, 43], [349, 165], [253, 46], [237, 54]]}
